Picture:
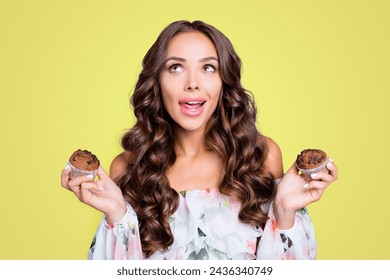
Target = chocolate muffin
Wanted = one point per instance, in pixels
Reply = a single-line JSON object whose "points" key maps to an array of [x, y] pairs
{"points": [[83, 162], [311, 161]]}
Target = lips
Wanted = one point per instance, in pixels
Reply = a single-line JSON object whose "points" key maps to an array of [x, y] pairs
{"points": [[192, 107]]}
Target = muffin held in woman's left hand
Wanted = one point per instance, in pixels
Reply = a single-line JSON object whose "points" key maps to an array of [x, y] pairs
{"points": [[82, 163], [311, 161]]}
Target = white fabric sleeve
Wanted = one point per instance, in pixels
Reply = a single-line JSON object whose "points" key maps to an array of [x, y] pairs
{"points": [[297, 242], [120, 241]]}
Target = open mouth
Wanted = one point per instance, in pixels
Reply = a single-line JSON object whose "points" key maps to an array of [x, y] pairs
{"points": [[192, 104], [192, 107]]}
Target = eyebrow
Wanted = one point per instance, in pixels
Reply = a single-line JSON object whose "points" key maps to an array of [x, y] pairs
{"points": [[205, 59]]}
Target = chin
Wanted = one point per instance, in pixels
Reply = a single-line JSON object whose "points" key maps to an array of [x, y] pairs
{"points": [[191, 125]]}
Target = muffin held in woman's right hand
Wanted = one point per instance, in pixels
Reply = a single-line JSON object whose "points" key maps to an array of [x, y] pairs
{"points": [[83, 162]]}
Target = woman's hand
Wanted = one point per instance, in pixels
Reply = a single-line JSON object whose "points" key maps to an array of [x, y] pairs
{"points": [[103, 194], [294, 192]]}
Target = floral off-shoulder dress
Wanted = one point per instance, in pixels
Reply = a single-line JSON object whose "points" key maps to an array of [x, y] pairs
{"points": [[206, 226]]}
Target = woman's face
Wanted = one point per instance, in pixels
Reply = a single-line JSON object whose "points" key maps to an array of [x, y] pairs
{"points": [[190, 80]]}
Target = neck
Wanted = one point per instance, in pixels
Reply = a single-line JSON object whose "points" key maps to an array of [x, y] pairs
{"points": [[190, 143]]}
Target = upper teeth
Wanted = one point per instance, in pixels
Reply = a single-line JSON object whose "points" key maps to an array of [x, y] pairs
{"points": [[193, 102]]}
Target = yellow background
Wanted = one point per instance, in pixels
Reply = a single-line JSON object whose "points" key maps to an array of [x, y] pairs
{"points": [[319, 70]]}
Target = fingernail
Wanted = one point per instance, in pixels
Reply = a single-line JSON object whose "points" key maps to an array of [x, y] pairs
{"points": [[330, 164], [306, 185], [66, 166], [330, 159], [314, 175], [100, 187], [90, 176]]}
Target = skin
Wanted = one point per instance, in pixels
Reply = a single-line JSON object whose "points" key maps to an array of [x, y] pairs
{"points": [[191, 69]]}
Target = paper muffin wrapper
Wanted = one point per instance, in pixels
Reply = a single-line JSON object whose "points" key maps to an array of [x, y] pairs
{"points": [[307, 172], [75, 172]]}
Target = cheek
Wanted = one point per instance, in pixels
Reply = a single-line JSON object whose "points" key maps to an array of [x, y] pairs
{"points": [[215, 91], [168, 100], [165, 92], [169, 87], [215, 85], [215, 97], [165, 99]]}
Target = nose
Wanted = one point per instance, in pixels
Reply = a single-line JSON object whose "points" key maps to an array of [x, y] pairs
{"points": [[192, 83], [192, 87]]}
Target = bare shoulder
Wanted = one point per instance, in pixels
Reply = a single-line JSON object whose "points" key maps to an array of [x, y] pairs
{"points": [[119, 164], [273, 160]]}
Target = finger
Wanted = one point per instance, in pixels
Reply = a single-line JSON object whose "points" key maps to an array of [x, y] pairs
{"points": [[87, 190], [75, 183], [92, 186], [65, 176], [315, 194], [322, 176], [332, 169], [316, 185], [102, 174]]}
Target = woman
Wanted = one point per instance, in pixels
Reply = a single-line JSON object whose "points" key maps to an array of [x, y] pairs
{"points": [[196, 179]]}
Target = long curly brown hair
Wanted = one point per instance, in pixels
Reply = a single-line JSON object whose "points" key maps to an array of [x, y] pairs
{"points": [[231, 132]]}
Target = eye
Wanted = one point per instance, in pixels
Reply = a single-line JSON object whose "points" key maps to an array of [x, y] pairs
{"points": [[176, 68], [209, 68]]}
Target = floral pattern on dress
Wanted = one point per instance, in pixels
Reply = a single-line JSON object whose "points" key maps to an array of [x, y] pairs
{"points": [[206, 227]]}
